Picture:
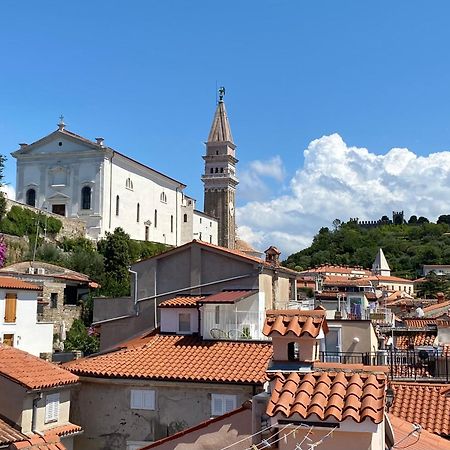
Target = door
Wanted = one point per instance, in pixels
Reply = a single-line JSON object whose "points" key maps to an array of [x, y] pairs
{"points": [[333, 345], [59, 209], [8, 339]]}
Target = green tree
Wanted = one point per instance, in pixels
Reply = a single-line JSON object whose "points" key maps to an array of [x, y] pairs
{"points": [[432, 284], [445, 218], [78, 338], [412, 220]]}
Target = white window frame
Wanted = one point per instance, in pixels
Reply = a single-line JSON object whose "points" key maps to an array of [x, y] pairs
{"points": [[52, 407], [143, 399], [222, 404]]}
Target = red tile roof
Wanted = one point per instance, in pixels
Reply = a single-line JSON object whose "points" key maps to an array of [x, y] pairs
{"points": [[186, 358], [424, 404], [14, 283], [335, 395], [228, 296], [30, 371], [436, 308], [66, 430], [420, 440], [416, 338], [181, 302], [390, 279], [418, 323], [35, 442], [338, 269], [299, 322], [9, 434]]}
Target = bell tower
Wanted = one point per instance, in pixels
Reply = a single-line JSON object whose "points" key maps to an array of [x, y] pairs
{"points": [[219, 178]]}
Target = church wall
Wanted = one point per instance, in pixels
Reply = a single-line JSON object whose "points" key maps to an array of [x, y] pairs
{"points": [[205, 228]]}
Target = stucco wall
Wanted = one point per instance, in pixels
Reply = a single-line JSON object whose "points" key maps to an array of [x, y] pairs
{"points": [[12, 398], [205, 228], [361, 329], [29, 335], [103, 410], [170, 321]]}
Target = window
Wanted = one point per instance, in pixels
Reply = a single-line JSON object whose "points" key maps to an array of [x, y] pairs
{"points": [[142, 399], [138, 208], [53, 300], [8, 339], [163, 197], [221, 170], [129, 184], [86, 197], [217, 314], [200, 220], [211, 170], [10, 307], [31, 197], [51, 407], [185, 218], [117, 205], [184, 322], [217, 170], [147, 230], [171, 224], [210, 239], [221, 404], [200, 236], [292, 351], [156, 218]]}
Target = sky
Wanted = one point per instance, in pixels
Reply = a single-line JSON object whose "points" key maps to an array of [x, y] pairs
{"points": [[338, 109]]}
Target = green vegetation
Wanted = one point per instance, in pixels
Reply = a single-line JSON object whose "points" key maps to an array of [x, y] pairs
{"points": [[79, 338], [406, 246], [432, 284]]}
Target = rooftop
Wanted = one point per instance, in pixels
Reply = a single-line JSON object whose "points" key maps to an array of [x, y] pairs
{"points": [[14, 283], [423, 403], [182, 302], [299, 322], [329, 395], [182, 358], [228, 296], [30, 371]]}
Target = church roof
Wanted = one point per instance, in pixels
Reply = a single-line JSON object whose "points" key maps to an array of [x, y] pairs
{"points": [[220, 128], [380, 262]]}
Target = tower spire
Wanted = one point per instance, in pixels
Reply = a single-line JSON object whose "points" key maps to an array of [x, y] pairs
{"points": [[220, 128]]}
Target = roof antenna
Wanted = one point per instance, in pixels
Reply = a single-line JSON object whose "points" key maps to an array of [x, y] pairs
{"points": [[61, 123]]}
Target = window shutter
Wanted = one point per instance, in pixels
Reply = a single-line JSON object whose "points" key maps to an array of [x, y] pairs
{"points": [[142, 399], [10, 307], [51, 407]]}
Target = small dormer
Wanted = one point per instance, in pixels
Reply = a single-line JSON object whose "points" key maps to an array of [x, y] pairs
{"points": [[179, 315], [296, 334], [273, 256]]}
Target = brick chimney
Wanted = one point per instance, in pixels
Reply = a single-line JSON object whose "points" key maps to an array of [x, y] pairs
{"points": [[273, 256], [440, 297]]}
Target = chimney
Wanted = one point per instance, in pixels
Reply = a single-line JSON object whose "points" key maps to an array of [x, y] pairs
{"points": [[23, 145], [100, 141], [440, 297], [273, 256]]}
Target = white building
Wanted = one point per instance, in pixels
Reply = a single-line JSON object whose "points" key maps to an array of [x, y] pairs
{"points": [[18, 317], [75, 177]]}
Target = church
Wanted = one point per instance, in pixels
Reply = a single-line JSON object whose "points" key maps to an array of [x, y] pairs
{"points": [[76, 177]]}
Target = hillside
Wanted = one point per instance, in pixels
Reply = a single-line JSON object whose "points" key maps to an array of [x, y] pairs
{"points": [[406, 246]]}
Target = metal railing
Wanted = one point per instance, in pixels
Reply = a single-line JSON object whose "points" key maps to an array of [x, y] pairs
{"points": [[421, 365]]}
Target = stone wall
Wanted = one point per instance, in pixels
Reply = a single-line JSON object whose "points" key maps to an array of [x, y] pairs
{"points": [[71, 228]]}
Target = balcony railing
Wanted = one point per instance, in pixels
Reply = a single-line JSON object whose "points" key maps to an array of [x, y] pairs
{"points": [[233, 325], [379, 316], [431, 365]]}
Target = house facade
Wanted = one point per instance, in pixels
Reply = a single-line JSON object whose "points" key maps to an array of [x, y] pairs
{"points": [[35, 396], [19, 325]]}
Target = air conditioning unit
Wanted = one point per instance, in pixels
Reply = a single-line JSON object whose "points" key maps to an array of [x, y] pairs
{"points": [[30, 270], [41, 271]]}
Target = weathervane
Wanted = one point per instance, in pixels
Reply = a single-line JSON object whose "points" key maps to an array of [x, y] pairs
{"points": [[221, 93]]}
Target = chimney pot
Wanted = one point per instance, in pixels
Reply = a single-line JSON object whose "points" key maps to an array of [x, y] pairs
{"points": [[100, 141], [23, 145]]}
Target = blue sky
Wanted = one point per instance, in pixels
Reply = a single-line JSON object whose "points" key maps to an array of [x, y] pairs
{"points": [[142, 74]]}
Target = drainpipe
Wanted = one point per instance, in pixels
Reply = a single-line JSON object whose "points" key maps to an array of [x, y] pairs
{"points": [[155, 299], [34, 414], [135, 289]]}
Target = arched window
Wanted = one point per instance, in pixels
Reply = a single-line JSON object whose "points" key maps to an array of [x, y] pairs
{"points": [[117, 205], [138, 210], [185, 218], [163, 197], [171, 224], [217, 169], [31, 197], [129, 184], [86, 194], [221, 170], [156, 218], [211, 170]]}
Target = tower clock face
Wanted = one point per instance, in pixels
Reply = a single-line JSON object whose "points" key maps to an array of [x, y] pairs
{"points": [[231, 208]]}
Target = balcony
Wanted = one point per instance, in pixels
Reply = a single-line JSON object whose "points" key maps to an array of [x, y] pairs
{"points": [[378, 315], [224, 323], [418, 365]]}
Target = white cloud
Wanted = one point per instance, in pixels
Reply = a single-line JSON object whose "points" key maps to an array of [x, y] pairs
{"points": [[9, 191], [337, 181], [252, 185]]}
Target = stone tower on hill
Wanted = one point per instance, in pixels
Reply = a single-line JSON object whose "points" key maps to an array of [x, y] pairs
{"points": [[219, 178]]}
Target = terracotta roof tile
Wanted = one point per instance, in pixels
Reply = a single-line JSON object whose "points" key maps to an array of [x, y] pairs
{"points": [[339, 269], [14, 283], [423, 440], [181, 302], [30, 371], [437, 309], [228, 296], [299, 322], [9, 434], [35, 442], [424, 404], [338, 395], [185, 358], [416, 338], [67, 429], [418, 323]]}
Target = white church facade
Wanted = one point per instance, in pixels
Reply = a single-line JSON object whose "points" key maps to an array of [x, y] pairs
{"points": [[70, 175]]}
